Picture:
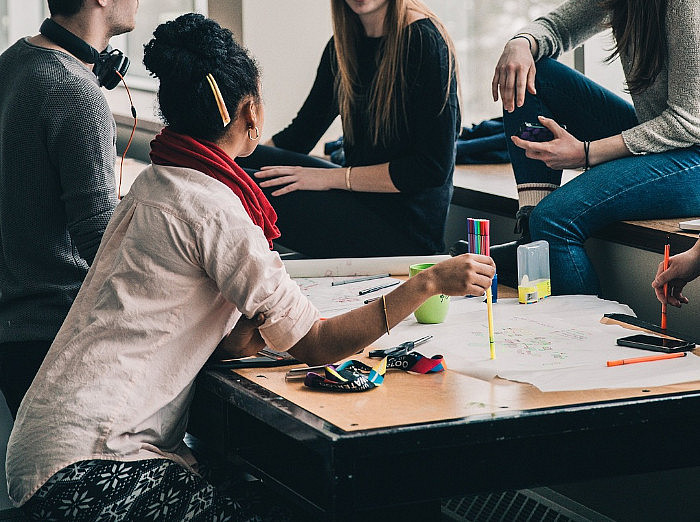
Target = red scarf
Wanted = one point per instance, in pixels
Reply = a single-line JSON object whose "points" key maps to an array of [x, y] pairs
{"points": [[177, 150]]}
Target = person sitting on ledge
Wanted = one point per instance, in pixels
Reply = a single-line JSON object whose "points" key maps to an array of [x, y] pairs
{"points": [[640, 161]]}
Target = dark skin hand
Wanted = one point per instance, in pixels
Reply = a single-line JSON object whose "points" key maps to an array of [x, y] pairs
{"points": [[243, 340], [343, 335]]}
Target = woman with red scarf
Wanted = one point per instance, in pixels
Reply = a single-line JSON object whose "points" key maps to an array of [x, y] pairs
{"points": [[184, 273]]}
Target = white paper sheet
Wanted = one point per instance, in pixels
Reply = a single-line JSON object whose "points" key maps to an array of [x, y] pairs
{"points": [[557, 344], [336, 300], [355, 266]]}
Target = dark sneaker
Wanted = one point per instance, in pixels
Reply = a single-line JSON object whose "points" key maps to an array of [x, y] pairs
{"points": [[522, 222]]}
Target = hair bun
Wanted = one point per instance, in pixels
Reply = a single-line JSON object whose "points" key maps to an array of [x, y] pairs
{"points": [[177, 51], [181, 54]]}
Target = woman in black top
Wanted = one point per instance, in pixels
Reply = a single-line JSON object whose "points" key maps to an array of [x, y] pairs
{"points": [[389, 71]]}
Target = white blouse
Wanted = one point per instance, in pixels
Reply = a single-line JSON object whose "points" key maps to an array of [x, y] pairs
{"points": [[178, 264]]}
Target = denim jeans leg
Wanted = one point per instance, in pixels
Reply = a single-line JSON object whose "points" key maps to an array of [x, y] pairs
{"points": [[653, 186], [588, 111]]}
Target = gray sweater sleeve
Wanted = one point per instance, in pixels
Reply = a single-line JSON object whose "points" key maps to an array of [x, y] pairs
{"points": [[566, 27], [80, 141]]}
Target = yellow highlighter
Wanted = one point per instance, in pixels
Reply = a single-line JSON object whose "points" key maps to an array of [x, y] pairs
{"points": [[489, 310]]}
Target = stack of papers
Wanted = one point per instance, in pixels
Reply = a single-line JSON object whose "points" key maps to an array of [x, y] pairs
{"points": [[557, 344]]}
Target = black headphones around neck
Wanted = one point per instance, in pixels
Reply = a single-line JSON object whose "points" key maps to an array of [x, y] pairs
{"points": [[107, 63]]}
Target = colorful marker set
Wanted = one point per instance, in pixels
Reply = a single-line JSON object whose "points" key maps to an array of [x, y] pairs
{"points": [[479, 243], [478, 236]]}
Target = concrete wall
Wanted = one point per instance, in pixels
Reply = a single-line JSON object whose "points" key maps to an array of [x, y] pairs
{"points": [[287, 39], [626, 274]]}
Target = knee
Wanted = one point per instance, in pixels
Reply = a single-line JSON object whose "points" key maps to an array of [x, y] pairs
{"points": [[549, 221], [546, 64], [548, 68], [539, 222]]}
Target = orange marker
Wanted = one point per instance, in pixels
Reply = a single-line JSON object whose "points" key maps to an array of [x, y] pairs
{"points": [[649, 358], [667, 252]]}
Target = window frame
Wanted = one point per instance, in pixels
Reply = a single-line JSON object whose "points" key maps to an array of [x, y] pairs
{"points": [[133, 48]]}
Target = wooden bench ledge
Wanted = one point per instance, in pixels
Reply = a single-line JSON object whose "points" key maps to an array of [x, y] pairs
{"points": [[491, 188]]}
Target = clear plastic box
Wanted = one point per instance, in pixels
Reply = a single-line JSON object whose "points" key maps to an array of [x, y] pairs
{"points": [[533, 272]]}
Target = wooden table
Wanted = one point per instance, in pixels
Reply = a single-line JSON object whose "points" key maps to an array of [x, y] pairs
{"points": [[396, 450]]}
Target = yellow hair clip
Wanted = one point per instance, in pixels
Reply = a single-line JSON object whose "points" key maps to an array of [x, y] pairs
{"points": [[219, 100]]}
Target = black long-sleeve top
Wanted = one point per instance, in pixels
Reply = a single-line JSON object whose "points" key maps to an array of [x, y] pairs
{"points": [[421, 157]]}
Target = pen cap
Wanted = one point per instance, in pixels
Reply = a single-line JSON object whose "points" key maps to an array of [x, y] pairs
{"points": [[533, 262]]}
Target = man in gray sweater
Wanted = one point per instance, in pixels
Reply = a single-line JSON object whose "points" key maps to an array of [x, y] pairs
{"points": [[57, 183]]}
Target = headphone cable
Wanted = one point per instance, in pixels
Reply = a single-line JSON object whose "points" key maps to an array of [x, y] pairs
{"points": [[131, 137]]}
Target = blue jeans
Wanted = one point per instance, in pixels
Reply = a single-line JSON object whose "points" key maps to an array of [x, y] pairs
{"points": [[651, 186]]}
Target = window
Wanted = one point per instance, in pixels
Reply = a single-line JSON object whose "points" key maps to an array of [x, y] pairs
{"points": [[4, 24], [479, 30], [595, 66], [149, 16], [142, 85], [20, 18]]}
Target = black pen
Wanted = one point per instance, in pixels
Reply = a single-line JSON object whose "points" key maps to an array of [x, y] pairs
{"points": [[359, 279], [374, 289]]}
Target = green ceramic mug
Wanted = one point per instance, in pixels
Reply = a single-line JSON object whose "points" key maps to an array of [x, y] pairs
{"points": [[434, 309]]}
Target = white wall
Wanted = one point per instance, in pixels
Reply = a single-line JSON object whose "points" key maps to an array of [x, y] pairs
{"points": [[287, 39], [24, 14], [609, 75]]}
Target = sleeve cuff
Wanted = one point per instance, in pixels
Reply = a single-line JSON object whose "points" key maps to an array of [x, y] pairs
{"points": [[287, 330]]}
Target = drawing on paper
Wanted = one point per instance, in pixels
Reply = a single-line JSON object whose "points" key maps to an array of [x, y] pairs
{"points": [[332, 300], [527, 343], [306, 285]]}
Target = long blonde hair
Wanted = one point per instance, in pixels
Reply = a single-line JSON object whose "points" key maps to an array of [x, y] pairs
{"points": [[387, 99]]}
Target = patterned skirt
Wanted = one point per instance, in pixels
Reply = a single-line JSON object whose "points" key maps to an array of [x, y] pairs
{"points": [[154, 489]]}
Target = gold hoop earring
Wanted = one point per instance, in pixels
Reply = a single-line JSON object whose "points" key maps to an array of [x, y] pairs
{"points": [[257, 134]]}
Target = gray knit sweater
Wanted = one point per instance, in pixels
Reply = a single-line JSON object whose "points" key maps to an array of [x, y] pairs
{"points": [[57, 186], [669, 110]]}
